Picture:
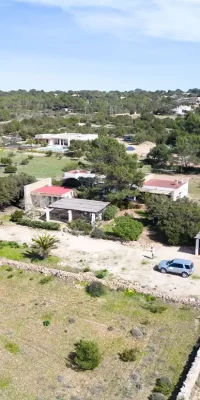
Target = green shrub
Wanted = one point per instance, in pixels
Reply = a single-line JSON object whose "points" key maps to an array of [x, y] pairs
{"points": [[87, 355], [110, 213], [86, 269], [96, 289], [127, 228], [17, 215], [9, 269], [46, 322], [157, 396], [129, 355], [12, 347], [30, 157], [25, 161], [52, 226], [101, 273], [156, 308], [10, 169], [12, 244], [80, 225], [163, 385], [46, 280], [98, 233], [6, 161], [49, 153], [10, 276]]}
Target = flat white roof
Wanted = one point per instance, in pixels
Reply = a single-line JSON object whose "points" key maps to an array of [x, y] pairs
{"points": [[64, 135]]}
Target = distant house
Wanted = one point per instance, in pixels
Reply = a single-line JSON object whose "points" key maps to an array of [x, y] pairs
{"points": [[63, 139], [176, 189], [76, 174], [182, 110]]}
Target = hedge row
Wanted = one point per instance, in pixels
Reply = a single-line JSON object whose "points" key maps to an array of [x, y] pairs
{"points": [[51, 226]]}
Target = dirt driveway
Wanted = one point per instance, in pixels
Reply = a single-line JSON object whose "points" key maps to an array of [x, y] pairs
{"points": [[129, 261]]}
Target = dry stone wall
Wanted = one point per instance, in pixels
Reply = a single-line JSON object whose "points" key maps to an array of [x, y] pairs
{"points": [[193, 374]]}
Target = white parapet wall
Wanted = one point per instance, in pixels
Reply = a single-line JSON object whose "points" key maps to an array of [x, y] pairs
{"points": [[192, 376], [28, 205]]}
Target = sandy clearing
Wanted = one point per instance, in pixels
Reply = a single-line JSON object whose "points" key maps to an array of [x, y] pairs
{"points": [[129, 261]]}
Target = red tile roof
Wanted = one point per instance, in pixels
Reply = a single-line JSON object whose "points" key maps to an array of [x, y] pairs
{"points": [[161, 183], [52, 190], [76, 171]]}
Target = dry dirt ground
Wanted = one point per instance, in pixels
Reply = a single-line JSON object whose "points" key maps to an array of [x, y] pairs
{"points": [[129, 261], [33, 356]]}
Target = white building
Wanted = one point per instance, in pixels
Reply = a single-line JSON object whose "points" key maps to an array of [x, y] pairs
{"points": [[64, 139], [182, 110], [76, 174], [176, 189]]}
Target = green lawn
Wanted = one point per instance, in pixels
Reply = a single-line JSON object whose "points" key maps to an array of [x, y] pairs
{"points": [[39, 166], [33, 356], [22, 254], [194, 188]]}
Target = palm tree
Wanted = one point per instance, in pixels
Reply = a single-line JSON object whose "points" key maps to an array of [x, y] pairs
{"points": [[43, 244]]}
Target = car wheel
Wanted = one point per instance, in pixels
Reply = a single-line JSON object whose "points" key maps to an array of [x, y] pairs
{"points": [[163, 271], [184, 274]]}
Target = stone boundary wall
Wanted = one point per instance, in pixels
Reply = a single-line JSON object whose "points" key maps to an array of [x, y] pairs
{"points": [[114, 283], [193, 374], [120, 284]]}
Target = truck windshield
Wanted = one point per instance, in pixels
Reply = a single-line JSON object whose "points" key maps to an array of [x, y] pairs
{"points": [[169, 262]]}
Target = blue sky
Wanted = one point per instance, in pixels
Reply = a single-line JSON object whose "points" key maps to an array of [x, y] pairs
{"points": [[99, 44]]}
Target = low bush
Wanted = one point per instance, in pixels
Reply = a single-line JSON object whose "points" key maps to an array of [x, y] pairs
{"points": [[12, 347], [98, 233], [11, 244], [46, 280], [10, 169], [10, 276], [96, 289], [129, 355], [80, 225], [155, 308], [46, 322], [157, 396], [110, 213], [16, 215], [101, 273], [25, 161], [86, 269], [87, 355], [51, 226], [163, 385], [127, 228], [49, 153], [30, 157]]}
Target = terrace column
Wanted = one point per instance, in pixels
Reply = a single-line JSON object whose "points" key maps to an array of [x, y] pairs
{"points": [[70, 217], [197, 247], [47, 214], [93, 219]]}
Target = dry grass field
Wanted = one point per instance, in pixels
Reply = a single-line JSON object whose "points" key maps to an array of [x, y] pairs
{"points": [[33, 356]]}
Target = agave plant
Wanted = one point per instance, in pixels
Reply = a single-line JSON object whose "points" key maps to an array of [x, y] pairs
{"points": [[43, 244]]}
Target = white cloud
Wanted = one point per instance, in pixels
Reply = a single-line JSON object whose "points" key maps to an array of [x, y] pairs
{"points": [[172, 19]]}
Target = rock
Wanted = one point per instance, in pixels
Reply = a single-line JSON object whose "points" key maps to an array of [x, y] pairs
{"points": [[60, 378], [72, 320], [110, 328], [136, 332], [135, 377]]}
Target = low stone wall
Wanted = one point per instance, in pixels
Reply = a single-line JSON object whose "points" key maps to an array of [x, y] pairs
{"points": [[115, 283], [193, 374]]}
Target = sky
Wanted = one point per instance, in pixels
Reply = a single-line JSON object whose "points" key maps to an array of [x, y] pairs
{"points": [[99, 44]]}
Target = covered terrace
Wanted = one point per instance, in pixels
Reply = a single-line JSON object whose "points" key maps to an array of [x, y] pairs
{"points": [[76, 207]]}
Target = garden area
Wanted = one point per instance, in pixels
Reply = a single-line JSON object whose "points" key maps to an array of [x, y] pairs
{"points": [[96, 343], [40, 166]]}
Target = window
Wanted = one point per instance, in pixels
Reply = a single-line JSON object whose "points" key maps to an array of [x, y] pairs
{"points": [[176, 265]]}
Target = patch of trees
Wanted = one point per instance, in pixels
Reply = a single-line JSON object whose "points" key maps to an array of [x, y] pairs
{"points": [[12, 189], [178, 221]]}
